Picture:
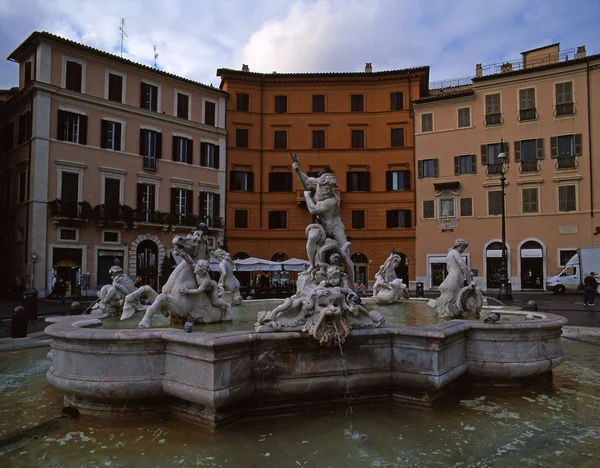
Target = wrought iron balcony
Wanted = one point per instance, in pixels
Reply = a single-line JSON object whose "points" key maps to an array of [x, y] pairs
{"points": [[529, 166], [150, 162], [527, 114], [493, 119], [213, 222], [566, 162], [568, 108], [151, 217], [494, 169]]}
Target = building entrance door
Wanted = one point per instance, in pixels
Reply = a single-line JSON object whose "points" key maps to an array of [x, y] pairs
{"points": [[532, 265], [438, 274], [147, 263], [361, 268], [493, 264]]}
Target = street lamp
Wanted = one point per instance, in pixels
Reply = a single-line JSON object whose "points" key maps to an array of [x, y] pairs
{"points": [[504, 293]]}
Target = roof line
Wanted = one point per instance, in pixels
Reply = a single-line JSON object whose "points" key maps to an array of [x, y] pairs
{"points": [[221, 71], [540, 48]]}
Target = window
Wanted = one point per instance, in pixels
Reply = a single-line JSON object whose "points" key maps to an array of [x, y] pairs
{"points": [[210, 113], [427, 122], [396, 101], [240, 219], [428, 168], [280, 139], [358, 138], [183, 150], [527, 109], [72, 127], [566, 198], [183, 106], [464, 117], [277, 219], [150, 147], [564, 99], [27, 72], [397, 135], [527, 152], [447, 208], [69, 194], [8, 136], [489, 156], [318, 103], [397, 180], [318, 137], [358, 219], [22, 187], [242, 102], [357, 102], [280, 104], [24, 127], [73, 76], [358, 181], [149, 97], [112, 192], [111, 237], [495, 202], [241, 137], [529, 198], [564, 148], [466, 164], [210, 155], [428, 209], [67, 234], [493, 115], [115, 87], [466, 207], [564, 255], [398, 219], [210, 209], [241, 180], [146, 201], [280, 181], [110, 135], [181, 204]]}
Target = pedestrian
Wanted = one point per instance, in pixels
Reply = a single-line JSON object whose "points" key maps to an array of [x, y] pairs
{"points": [[53, 292], [61, 289], [590, 284], [138, 281], [361, 289]]}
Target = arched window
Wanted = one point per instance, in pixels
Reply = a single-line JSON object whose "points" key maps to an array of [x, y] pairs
{"points": [[240, 256], [359, 258], [279, 257]]}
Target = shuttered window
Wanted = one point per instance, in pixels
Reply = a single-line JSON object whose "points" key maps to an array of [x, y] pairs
{"points": [[115, 87], [398, 219], [148, 96], [397, 137], [396, 101], [358, 219], [397, 180], [73, 76], [358, 139], [567, 198]]}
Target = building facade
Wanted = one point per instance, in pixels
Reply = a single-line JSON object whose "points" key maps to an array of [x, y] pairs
{"points": [[357, 125], [543, 113], [103, 161]]}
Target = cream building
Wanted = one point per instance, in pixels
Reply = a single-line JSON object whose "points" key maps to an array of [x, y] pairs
{"points": [[104, 160], [543, 111]]}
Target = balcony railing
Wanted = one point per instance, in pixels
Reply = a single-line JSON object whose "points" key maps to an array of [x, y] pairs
{"points": [[151, 217], [150, 162], [213, 222], [69, 209], [568, 108], [529, 166], [566, 162], [493, 119], [527, 114], [494, 169]]}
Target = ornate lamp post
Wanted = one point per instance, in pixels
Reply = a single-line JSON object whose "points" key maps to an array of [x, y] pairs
{"points": [[504, 293]]}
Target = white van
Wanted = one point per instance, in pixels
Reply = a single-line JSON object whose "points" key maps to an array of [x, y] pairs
{"points": [[570, 278]]}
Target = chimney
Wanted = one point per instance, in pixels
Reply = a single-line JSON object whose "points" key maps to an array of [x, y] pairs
{"points": [[245, 67], [368, 67], [506, 67], [478, 71], [580, 52]]}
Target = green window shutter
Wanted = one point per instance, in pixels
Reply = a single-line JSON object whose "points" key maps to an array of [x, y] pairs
{"points": [[420, 169], [578, 138], [436, 167], [456, 165], [484, 155], [539, 145], [473, 164], [554, 147], [517, 151]]}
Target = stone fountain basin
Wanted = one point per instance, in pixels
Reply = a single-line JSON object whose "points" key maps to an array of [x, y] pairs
{"points": [[216, 378]]}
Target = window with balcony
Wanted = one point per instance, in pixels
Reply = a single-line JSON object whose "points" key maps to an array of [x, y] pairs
{"points": [[69, 194], [358, 219], [464, 117], [428, 209], [428, 168], [529, 200], [24, 127], [567, 198], [210, 155], [240, 219], [357, 103], [110, 135], [466, 207], [397, 101], [146, 202], [148, 97], [242, 102], [183, 106], [493, 113], [210, 113], [182, 205], [465, 164], [74, 76], [150, 147], [210, 209], [318, 138], [241, 138], [489, 157], [358, 139], [565, 148], [280, 104], [397, 180], [112, 192], [241, 181], [72, 127], [318, 103], [494, 202], [280, 137], [398, 219], [397, 137], [115, 87], [528, 152], [358, 181], [427, 122], [564, 99], [280, 181], [527, 108], [277, 219], [183, 150]]}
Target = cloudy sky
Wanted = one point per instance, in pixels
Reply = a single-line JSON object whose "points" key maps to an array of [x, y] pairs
{"points": [[195, 37]]}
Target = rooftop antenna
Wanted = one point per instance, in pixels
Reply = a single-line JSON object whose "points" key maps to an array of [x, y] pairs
{"points": [[155, 57], [123, 34]]}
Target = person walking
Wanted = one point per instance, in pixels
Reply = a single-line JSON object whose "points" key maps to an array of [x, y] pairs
{"points": [[590, 285]]}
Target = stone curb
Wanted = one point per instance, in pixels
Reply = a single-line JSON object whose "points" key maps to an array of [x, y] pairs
{"points": [[35, 340]]}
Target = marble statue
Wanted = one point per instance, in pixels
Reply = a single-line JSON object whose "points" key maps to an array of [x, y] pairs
{"points": [[189, 294], [112, 296], [388, 288], [325, 304], [228, 286], [457, 300]]}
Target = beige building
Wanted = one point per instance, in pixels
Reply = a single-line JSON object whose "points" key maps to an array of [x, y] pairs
{"points": [[104, 160], [543, 111]]}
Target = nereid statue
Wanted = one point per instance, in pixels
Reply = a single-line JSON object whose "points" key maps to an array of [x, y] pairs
{"points": [[457, 300], [112, 296], [388, 288], [229, 285]]}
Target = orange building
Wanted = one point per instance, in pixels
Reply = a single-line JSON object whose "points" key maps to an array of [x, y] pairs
{"points": [[359, 125]]}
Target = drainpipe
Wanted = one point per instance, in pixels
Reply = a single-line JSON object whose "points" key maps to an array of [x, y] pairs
{"points": [[29, 174], [589, 110], [260, 193]]}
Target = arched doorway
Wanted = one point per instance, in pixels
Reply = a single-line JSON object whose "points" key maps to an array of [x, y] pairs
{"points": [[280, 278], [147, 263], [402, 270], [532, 265], [279, 257], [240, 256], [493, 258], [361, 267]]}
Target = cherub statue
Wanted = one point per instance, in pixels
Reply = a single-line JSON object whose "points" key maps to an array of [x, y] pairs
{"points": [[228, 285], [208, 287]]}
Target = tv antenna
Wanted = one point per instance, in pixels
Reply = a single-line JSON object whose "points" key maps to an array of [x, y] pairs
{"points": [[123, 34], [155, 57]]}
